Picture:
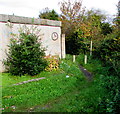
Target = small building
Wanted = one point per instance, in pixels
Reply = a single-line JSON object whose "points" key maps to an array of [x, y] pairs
{"points": [[50, 31]]}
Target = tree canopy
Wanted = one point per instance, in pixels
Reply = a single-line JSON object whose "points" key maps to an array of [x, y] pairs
{"points": [[49, 14]]}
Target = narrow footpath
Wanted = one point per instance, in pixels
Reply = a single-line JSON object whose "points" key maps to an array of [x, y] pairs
{"points": [[88, 74]]}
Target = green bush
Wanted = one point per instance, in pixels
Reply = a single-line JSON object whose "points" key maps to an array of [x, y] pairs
{"points": [[76, 44], [25, 56], [109, 52]]}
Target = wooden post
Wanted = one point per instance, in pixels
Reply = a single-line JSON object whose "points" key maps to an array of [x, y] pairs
{"points": [[63, 46], [90, 47], [85, 59], [73, 58]]}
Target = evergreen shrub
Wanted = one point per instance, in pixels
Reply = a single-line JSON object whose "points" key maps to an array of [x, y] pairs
{"points": [[25, 55]]}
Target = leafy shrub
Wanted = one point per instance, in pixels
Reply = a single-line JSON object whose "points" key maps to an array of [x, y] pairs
{"points": [[109, 52], [25, 56], [69, 57], [110, 102], [76, 44], [53, 63]]}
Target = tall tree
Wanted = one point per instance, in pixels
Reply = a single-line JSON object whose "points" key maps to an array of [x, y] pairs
{"points": [[118, 8], [118, 16], [49, 14], [106, 28], [116, 20], [91, 25], [79, 24], [70, 14]]}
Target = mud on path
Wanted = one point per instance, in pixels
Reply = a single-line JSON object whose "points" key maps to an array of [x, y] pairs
{"points": [[88, 74]]}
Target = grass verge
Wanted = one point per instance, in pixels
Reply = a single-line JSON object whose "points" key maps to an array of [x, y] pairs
{"points": [[65, 90]]}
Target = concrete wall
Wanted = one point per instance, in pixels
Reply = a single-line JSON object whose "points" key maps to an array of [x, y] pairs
{"points": [[48, 31]]}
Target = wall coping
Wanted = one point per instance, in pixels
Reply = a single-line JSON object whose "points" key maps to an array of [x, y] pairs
{"points": [[28, 20]]}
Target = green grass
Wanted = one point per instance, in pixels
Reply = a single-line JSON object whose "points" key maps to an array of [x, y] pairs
{"points": [[8, 79], [37, 93], [56, 93], [84, 98], [93, 65], [34, 93]]}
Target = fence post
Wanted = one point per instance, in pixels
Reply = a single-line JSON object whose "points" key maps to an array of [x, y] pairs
{"points": [[85, 60], [90, 47], [73, 58], [63, 53]]}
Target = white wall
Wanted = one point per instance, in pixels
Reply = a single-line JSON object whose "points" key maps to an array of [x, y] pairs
{"points": [[53, 47]]}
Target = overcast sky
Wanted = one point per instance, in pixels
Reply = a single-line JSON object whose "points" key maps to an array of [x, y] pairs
{"points": [[31, 8]]}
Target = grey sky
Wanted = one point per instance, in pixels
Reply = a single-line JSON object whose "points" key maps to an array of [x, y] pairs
{"points": [[31, 8]]}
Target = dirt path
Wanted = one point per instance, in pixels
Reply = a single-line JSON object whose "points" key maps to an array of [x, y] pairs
{"points": [[88, 74], [50, 105]]}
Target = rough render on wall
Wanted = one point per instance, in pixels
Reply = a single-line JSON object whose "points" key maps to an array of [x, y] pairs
{"points": [[12, 24]]}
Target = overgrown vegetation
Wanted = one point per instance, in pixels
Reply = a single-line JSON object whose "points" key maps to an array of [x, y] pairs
{"points": [[105, 65], [90, 26], [109, 52], [53, 63], [49, 14], [64, 90], [110, 57]]}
